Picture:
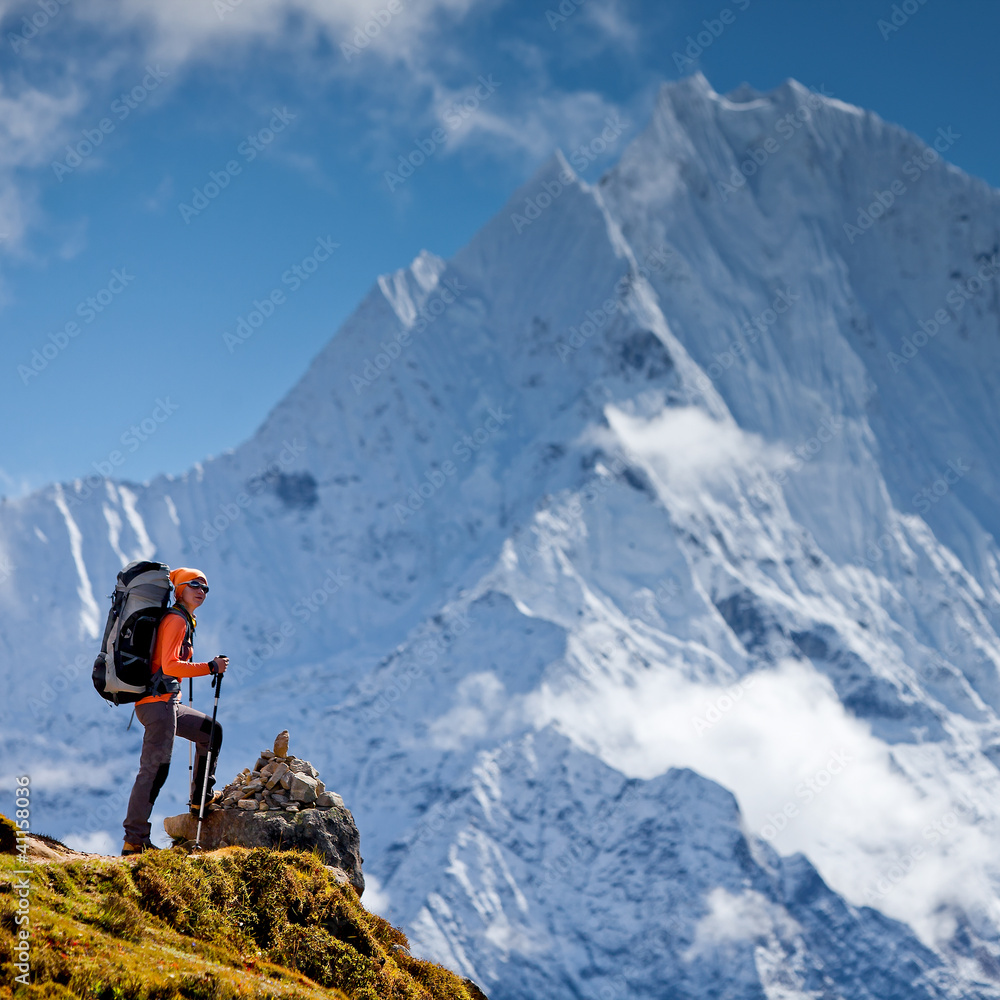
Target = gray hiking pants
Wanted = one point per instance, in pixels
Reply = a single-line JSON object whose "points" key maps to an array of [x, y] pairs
{"points": [[162, 720]]}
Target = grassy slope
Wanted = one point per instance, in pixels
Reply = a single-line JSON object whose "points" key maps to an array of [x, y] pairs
{"points": [[233, 923]]}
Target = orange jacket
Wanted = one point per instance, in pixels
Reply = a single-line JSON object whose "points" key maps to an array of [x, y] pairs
{"points": [[168, 655]]}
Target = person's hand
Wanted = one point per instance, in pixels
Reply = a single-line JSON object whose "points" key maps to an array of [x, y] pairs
{"points": [[219, 664]]}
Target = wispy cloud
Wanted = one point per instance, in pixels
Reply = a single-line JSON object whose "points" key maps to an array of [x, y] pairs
{"points": [[402, 66], [809, 777], [613, 23]]}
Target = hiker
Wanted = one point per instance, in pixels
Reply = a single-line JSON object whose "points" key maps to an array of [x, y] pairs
{"points": [[163, 715]]}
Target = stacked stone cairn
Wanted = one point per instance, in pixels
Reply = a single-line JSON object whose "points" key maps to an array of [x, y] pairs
{"points": [[278, 781]]}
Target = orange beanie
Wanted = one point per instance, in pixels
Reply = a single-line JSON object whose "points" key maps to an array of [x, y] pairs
{"points": [[183, 575]]}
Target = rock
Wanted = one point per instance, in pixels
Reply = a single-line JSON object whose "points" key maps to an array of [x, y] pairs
{"points": [[339, 875], [261, 762], [253, 786], [279, 769], [281, 744], [330, 831], [303, 788], [267, 754], [320, 787], [245, 804], [286, 779], [329, 799]]}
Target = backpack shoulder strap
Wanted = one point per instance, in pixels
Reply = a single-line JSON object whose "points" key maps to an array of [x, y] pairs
{"points": [[189, 624], [182, 612]]}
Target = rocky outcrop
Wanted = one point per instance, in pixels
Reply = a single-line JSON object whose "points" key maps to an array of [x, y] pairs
{"points": [[281, 803]]}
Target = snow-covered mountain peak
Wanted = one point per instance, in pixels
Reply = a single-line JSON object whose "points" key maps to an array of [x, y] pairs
{"points": [[660, 487]]}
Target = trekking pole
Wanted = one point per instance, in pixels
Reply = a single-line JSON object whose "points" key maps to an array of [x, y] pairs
{"points": [[217, 684], [190, 745]]}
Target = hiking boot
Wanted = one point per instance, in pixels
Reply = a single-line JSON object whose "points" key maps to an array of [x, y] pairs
{"points": [[145, 845], [211, 801]]}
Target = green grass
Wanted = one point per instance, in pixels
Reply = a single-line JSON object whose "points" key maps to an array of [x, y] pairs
{"points": [[235, 923]]}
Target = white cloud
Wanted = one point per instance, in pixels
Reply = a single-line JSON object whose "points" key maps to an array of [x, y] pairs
{"points": [[688, 450], [404, 71], [613, 23], [376, 898], [534, 125], [189, 29], [747, 917], [809, 777], [480, 705], [98, 842], [32, 124]]}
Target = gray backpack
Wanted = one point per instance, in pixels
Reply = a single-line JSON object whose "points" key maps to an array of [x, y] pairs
{"points": [[123, 669]]}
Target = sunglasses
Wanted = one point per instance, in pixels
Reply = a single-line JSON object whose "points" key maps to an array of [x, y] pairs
{"points": [[196, 586]]}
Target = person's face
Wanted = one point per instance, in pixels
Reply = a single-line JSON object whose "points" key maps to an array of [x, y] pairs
{"points": [[193, 597]]}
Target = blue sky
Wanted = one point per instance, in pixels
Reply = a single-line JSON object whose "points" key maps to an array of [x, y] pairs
{"points": [[115, 114]]}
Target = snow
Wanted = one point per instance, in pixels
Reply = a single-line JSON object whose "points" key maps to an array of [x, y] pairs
{"points": [[641, 606]]}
